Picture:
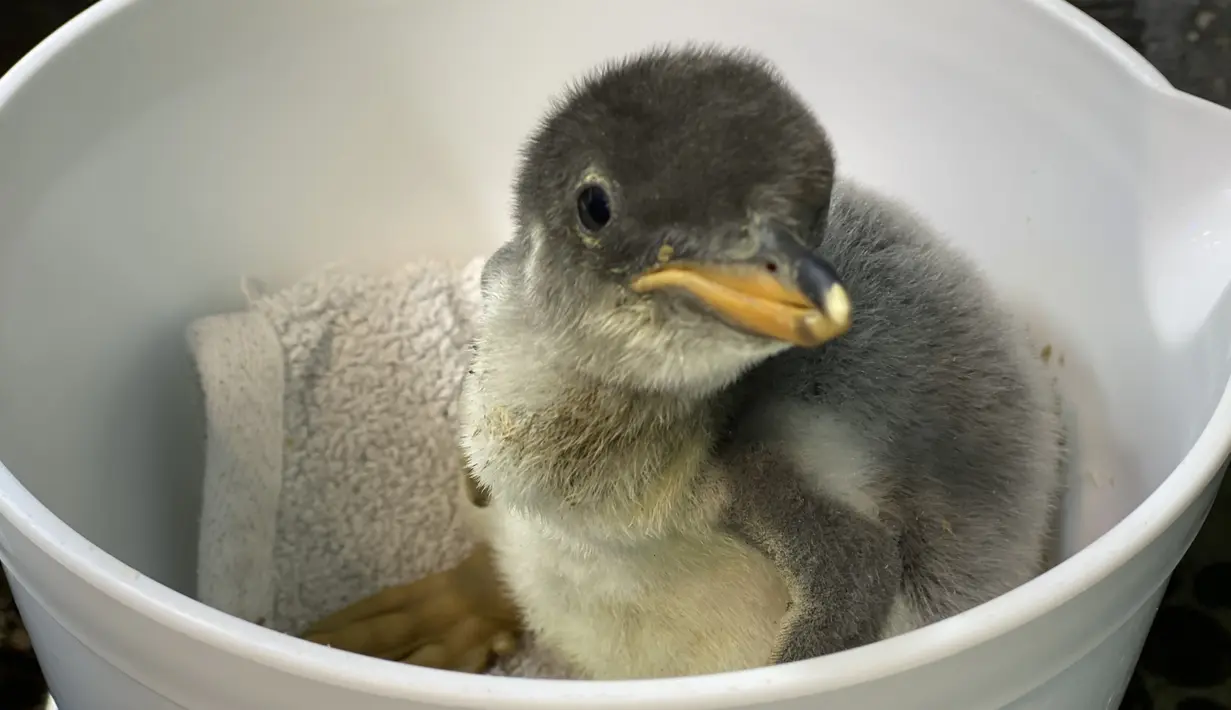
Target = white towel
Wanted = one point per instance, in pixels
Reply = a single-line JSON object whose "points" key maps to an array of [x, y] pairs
{"points": [[331, 458]]}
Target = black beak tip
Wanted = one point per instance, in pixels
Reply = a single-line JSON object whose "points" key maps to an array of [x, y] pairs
{"points": [[816, 279]]}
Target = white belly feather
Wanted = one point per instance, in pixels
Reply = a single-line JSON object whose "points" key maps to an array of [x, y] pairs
{"points": [[682, 606]]}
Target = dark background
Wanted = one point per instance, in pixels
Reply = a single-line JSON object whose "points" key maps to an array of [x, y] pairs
{"points": [[1186, 664]]}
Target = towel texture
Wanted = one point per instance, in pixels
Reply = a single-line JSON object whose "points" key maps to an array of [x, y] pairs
{"points": [[331, 458]]}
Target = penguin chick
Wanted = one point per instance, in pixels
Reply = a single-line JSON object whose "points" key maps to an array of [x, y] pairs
{"points": [[701, 449]]}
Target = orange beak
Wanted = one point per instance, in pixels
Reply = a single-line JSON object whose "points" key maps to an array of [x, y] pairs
{"points": [[788, 293]]}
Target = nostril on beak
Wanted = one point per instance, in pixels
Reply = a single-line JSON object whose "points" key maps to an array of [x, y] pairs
{"points": [[771, 266]]}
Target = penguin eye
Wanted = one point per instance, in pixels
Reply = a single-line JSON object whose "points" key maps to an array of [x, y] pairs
{"points": [[593, 208]]}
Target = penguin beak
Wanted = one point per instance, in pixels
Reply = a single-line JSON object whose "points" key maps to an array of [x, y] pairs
{"points": [[783, 291]]}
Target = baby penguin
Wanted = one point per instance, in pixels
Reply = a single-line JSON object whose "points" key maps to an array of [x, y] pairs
{"points": [[702, 446]]}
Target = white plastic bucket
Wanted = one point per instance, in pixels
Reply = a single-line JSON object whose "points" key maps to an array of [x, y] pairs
{"points": [[153, 152]]}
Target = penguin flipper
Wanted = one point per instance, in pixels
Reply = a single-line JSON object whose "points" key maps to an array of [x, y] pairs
{"points": [[843, 569]]}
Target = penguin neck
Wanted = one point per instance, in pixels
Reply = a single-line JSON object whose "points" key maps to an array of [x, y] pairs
{"points": [[563, 445]]}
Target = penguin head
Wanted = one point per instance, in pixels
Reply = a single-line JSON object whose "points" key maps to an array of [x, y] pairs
{"points": [[670, 207]]}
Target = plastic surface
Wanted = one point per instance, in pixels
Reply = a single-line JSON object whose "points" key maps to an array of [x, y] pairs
{"points": [[152, 153]]}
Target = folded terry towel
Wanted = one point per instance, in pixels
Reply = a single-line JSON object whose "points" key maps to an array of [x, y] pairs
{"points": [[331, 458]]}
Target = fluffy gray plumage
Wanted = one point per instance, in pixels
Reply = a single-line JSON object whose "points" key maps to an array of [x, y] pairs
{"points": [[897, 475], [940, 392]]}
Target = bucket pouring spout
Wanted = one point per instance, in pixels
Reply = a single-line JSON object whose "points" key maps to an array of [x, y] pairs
{"points": [[1186, 259]]}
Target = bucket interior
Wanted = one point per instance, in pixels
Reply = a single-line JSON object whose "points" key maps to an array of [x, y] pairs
{"points": [[144, 172]]}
